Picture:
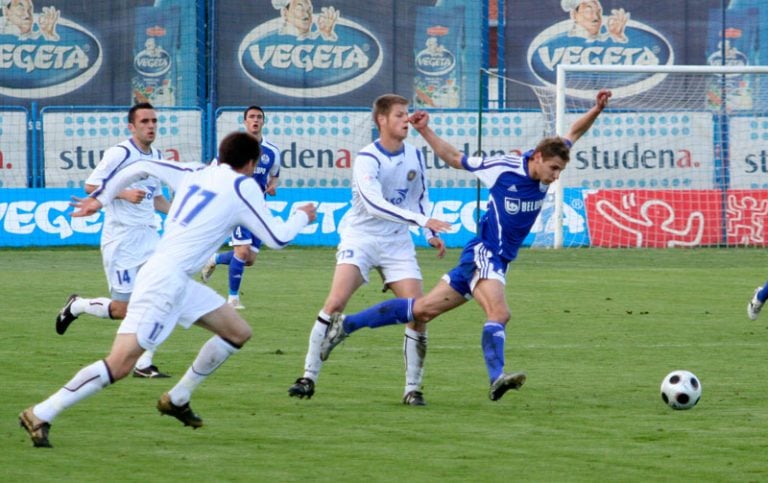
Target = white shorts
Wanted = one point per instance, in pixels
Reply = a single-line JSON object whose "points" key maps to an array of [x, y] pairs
{"points": [[394, 258], [123, 256], [164, 297]]}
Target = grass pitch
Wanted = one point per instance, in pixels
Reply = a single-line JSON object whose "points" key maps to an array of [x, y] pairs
{"points": [[596, 331]]}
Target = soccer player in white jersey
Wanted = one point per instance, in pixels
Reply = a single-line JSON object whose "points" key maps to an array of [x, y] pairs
{"points": [[245, 245], [129, 234], [518, 186], [389, 195], [209, 202]]}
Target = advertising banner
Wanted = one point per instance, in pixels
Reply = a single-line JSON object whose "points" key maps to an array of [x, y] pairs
{"points": [[747, 212], [317, 148], [644, 150], [543, 34], [156, 41], [332, 52], [748, 152], [654, 218], [76, 140], [82, 53], [40, 217], [13, 149]]}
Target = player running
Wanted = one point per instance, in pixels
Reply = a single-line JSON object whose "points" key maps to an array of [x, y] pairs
{"points": [[389, 194], [210, 201], [130, 228]]}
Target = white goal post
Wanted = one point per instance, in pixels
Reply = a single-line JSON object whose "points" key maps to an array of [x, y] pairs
{"points": [[677, 159]]}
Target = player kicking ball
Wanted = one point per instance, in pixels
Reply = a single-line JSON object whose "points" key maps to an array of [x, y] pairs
{"points": [[518, 186]]}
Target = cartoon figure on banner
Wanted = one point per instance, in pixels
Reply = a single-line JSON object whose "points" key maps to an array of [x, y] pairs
{"points": [[587, 16], [298, 20], [19, 20]]}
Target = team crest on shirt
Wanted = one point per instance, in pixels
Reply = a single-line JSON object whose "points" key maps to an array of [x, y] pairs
{"points": [[411, 175], [512, 205]]}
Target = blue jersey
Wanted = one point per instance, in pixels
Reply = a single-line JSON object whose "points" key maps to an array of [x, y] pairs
{"points": [[514, 202], [269, 164]]}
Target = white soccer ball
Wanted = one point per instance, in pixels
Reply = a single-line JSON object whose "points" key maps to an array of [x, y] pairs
{"points": [[681, 389]]}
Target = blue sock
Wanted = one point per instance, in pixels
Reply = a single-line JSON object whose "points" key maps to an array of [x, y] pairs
{"points": [[224, 258], [394, 311], [493, 340], [762, 294], [236, 269]]}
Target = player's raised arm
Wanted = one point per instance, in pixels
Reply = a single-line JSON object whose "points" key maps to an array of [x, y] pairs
{"points": [[420, 121], [585, 122]]}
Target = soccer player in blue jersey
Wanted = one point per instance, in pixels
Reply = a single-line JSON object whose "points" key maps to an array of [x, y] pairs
{"points": [[518, 186], [245, 245]]}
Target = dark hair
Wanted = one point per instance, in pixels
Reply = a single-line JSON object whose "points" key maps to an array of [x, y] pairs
{"points": [[554, 147], [251, 108], [238, 148], [383, 104], [140, 105]]}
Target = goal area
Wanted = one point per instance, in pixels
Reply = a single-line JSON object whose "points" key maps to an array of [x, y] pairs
{"points": [[678, 159]]}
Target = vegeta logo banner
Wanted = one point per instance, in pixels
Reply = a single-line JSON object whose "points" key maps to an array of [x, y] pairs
{"points": [[326, 52], [62, 52], [542, 35]]}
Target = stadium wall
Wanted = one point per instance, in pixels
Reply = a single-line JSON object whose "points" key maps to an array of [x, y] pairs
{"points": [[63, 94]]}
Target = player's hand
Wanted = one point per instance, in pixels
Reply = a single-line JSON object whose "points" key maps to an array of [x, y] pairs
{"points": [[271, 190], [133, 195], [85, 206], [437, 242], [437, 225], [310, 210], [602, 98], [419, 120]]}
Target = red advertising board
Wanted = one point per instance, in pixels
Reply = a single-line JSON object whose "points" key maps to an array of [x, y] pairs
{"points": [[747, 215], [654, 218]]}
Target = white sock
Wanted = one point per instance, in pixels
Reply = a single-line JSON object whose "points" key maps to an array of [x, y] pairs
{"points": [[145, 360], [312, 363], [213, 354], [98, 307], [88, 381], [414, 352]]}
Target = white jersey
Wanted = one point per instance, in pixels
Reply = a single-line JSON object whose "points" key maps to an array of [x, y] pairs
{"points": [[389, 193], [209, 202], [122, 216]]}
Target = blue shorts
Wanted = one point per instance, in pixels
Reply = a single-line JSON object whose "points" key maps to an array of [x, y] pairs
{"points": [[241, 236], [476, 263]]}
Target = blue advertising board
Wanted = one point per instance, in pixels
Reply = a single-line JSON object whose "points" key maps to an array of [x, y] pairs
{"points": [[40, 217]]}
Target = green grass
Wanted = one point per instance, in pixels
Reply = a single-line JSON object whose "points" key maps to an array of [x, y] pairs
{"points": [[596, 331]]}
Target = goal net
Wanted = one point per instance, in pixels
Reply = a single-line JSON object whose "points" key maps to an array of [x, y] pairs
{"points": [[679, 159]]}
